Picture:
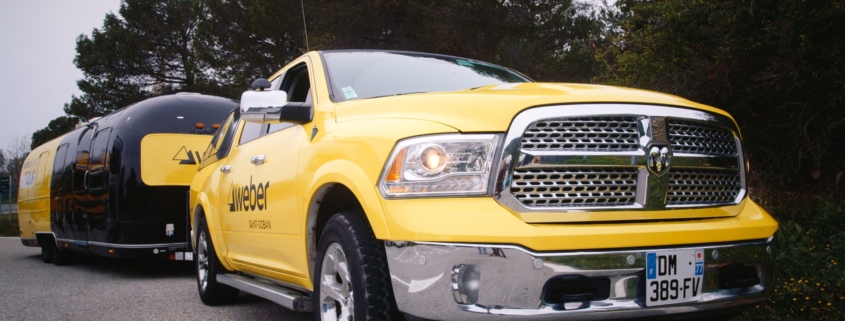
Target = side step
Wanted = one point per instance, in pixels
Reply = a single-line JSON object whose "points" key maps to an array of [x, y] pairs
{"points": [[287, 298]]}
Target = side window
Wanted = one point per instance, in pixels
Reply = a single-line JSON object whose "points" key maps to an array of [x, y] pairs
{"points": [[251, 132], [99, 153], [116, 154], [59, 161], [277, 127], [219, 146], [276, 83], [81, 163], [297, 83], [100, 150]]}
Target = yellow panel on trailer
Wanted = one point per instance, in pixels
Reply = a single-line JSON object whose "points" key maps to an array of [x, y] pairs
{"points": [[171, 159], [34, 192]]}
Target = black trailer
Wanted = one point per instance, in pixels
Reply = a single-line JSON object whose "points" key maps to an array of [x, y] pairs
{"points": [[119, 183]]}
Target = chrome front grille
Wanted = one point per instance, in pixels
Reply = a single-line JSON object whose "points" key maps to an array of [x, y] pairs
{"points": [[702, 186], [592, 157], [575, 186], [594, 133], [698, 138]]}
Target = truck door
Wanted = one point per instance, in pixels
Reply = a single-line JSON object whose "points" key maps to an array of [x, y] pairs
{"points": [[267, 227], [79, 203]]}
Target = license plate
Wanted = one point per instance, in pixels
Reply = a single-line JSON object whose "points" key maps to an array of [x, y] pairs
{"points": [[674, 276]]}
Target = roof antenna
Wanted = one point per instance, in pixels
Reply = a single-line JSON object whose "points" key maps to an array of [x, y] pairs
{"points": [[304, 26]]}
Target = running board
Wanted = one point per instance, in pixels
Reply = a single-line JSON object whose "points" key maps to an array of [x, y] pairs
{"points": [[287, 298]]}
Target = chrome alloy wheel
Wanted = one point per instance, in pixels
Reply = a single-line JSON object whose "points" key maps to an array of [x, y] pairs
{"points": [[202, 261], [336, 301]]}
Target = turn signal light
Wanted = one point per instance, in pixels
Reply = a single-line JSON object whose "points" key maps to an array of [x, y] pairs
{"points": [[394, 174]]}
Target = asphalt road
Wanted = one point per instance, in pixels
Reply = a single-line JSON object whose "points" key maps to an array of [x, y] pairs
{"points": [[109, 289]]}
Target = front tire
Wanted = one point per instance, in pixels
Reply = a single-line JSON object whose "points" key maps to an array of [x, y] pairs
{"points": [[208, 267], [352, 281]]}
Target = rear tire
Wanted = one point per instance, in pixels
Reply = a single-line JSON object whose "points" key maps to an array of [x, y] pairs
{"points": [[47, 252], [352, 281], [208, 267]]}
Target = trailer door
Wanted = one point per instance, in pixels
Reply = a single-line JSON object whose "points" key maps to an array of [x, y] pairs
{"points": [[97, 185], [79, 223]]}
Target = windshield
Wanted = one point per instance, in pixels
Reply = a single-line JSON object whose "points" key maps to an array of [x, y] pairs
{"points": [[359, 75]]}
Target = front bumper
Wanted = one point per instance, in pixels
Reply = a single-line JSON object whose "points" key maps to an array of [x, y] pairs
{"points": [[427, 276]]}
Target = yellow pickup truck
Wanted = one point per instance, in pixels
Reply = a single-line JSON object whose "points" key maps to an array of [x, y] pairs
{"points": [[372, 185]]}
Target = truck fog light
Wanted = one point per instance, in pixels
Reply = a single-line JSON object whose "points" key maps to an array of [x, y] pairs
{"points": [[466, 282]]}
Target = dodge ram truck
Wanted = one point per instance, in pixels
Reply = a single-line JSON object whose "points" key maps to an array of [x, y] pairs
{"points": [[373, 185]]}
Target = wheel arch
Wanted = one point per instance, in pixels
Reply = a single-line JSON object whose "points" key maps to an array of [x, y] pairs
{"points": [[202, 211], [341, 186]]}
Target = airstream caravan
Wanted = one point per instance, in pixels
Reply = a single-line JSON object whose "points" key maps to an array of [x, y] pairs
{"points": [[117, 186]]}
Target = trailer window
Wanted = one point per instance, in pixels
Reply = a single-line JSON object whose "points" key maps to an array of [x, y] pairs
{"points": [[59, 162], [100, 150]]}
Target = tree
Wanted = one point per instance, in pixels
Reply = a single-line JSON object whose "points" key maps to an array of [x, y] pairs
{"points": [[775, 65], [57, 127], [547, 39], [147, 50], [17, 151], [241, 40], [2, 163]]}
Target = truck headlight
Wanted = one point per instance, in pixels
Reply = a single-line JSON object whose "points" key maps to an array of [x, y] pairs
{"points": [[440, 165]]}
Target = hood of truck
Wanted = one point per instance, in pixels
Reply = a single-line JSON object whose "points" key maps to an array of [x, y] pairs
{"points": [[491, 108]]}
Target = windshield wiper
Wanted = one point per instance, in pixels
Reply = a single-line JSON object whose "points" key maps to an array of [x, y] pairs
{"points": [[400, 94]]}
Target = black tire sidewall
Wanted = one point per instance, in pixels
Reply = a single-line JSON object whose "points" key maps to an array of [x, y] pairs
{"points": [[335, 234], [215, 293], [60, 256], [47, 253], [342, 229]]}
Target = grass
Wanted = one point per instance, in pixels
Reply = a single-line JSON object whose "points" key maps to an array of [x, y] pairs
{"points": [[7, 227], [809, 283]]}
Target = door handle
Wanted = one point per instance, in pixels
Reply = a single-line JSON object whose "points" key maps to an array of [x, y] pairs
{"points": [[257, 160], [226, 169]]}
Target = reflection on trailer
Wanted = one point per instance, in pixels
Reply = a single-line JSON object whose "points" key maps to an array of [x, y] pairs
{"points": [[118, 185]]}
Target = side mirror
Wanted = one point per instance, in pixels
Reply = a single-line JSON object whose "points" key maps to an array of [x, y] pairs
{"points": [[264, 106], [254, 101]]}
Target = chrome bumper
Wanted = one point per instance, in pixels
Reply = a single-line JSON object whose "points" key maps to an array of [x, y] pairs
{"points": [[427, 280]]}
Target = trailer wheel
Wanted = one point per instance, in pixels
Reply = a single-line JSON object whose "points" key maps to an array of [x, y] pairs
{"points": [[60, 256], [47, 252], [352, 281], [208, 267]]}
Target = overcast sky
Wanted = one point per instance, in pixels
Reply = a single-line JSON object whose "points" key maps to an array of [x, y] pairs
{"points": [[37, 47]]}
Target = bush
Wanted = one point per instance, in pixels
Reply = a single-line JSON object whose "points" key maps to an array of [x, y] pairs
{"points": [[9, 227], [809, 283]]}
